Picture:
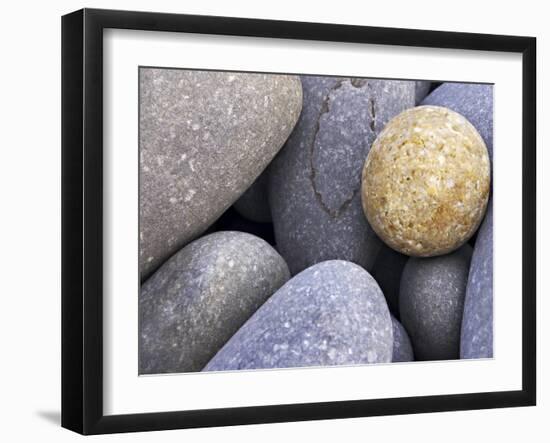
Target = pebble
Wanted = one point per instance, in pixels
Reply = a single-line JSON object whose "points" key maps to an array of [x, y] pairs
{"points": [[402, 347], [431, 303], [333, 313], [477, 323], [191, 306], [426, 182], [204, 138]]}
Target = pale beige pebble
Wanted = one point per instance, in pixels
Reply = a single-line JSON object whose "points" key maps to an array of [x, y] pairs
{"points": [[426, 181]]}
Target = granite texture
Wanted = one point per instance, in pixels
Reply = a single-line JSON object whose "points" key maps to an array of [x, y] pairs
{"points": [[201, 296], [315, 180], [426, 182], [473, 101], [204, 138], [402, 347], [333, 313], [431, 303], [254, 203], [477, 323], [422, 89], [387, 271]]}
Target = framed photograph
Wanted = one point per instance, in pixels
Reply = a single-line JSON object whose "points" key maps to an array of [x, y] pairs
{"points": [[268, 221]]}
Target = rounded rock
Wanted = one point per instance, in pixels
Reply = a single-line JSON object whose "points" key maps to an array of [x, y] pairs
{"points": [[426, 182], [431, 303], [204, 138], [333, 313], [477, 323], [201, 296], [402, 347]]}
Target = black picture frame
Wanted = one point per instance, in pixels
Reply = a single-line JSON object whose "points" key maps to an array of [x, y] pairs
{"points": [[82, 215]]}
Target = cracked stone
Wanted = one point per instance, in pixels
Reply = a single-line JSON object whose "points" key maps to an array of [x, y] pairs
{"points": [[315, 180], [333, 313], [199, 298], [204, 138]]}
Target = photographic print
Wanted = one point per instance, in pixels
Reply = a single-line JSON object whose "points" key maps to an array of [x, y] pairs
{"points": [[293, 221], [269, 221]]}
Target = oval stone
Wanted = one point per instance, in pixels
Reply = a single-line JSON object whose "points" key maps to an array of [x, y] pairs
{"points": [[201, 296], [473, 101], [402, 348], [315, 181], [477, 323], [204, 138], [431, 303], [426, 182], [333, 313]]}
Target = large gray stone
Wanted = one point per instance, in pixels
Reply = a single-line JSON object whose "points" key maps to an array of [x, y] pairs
{"points": [[254, 204], [387, 271], [402, 347], [316, 178], [204, 138], [477, 323], [201, 296], [431, 302], [473, 101], [333, 313]]}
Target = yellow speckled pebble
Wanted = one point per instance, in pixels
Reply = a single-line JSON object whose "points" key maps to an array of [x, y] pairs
{"points": [[426, 180]]}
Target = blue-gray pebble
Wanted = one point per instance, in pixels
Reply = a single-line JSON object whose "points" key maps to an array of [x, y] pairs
{"points": [[402, 347], [199, 298], [473, 101], [477, 324], [315, 179], [333, 313], [204, 137], [431, 303]]}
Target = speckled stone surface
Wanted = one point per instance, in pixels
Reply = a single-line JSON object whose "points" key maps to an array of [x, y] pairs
{"points": [[402, 347], [204, 138], [426, 182], [473, 101], [333, 313], [315, 180], [387, 271], [477, 323], [431, 302], [422, 88], [200, 297], [254, 203]]}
